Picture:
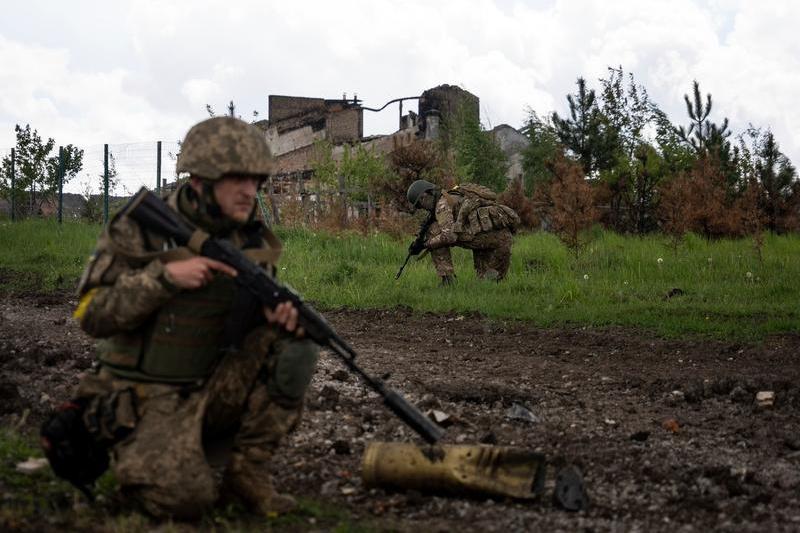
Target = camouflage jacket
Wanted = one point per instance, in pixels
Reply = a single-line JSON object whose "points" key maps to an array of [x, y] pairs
{"points": [[126, 282], [460, 217]]}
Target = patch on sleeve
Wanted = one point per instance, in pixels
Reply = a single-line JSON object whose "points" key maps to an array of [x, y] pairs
{"points": [[84, 302]]}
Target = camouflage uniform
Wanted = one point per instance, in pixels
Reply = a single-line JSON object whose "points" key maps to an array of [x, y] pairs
{"points": [[491, 249], [243, 401]]}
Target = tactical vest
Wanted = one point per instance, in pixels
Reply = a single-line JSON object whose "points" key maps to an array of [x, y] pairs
{"points": [[183, 341]]}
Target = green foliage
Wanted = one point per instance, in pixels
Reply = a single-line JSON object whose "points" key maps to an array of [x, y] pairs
{"points": [[708, 139], [44, 255], [626, 284], [478, 157], [762, 160], [678, 156], [702, 133], [92, 210], [629, 110], [538, 156], [36, 170], [362, 170], [587, 133]]}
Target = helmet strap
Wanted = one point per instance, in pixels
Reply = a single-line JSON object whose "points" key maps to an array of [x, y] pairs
{"points": [[207, 200]]}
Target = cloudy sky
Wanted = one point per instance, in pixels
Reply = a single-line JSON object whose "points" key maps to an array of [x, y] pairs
{"points": [[91, 72]]}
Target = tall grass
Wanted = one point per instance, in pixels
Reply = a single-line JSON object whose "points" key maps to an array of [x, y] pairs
{"points": [[615, 281], [42, 255]]}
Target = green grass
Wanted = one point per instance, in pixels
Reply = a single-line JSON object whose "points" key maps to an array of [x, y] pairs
{"points": [[616, 280], [41, 255]]}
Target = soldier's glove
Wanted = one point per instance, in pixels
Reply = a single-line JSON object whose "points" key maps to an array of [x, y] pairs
{"points": [[416, 248]]}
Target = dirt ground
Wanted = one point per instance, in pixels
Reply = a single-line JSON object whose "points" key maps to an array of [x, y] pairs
{"points": [[666, 432]]}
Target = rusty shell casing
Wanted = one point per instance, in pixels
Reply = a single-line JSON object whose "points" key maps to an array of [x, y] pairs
{"points": [[455, 469]]}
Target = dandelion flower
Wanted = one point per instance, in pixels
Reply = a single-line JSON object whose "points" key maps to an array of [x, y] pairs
{"points": [[749, 275], [586, 276], [660, 260]]}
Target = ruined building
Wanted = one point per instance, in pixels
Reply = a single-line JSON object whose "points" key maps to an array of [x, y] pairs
{"points": [[296, 123]]}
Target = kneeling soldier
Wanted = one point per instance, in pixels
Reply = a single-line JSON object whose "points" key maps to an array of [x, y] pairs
{"points": [[189, 359]]}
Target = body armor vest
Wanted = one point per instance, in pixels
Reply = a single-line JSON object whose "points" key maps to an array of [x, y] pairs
{"points": [[181, 343], [184, 339]]}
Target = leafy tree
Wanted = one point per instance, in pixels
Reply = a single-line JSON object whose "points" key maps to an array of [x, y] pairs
{"points": [[640, 189], [679, 157], [538, 156], [587, 132], [762, 160], [362, 170], [628, 109], [93, 203], [631, 182], [36, 169], [477, 154]]}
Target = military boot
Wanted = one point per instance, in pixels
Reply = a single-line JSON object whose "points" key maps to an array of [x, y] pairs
{"points": [[249, 478]]}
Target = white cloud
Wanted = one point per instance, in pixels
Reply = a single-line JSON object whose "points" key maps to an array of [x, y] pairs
{"points": [[166, 60]]}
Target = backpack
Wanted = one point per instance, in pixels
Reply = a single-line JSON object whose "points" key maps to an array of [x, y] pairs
{"points": [[480, 212]]}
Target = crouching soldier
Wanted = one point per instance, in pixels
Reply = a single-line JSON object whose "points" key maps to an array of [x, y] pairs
{"points": [[187, 359], [467, 216]]}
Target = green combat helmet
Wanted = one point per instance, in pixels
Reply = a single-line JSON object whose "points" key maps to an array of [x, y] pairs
{"points": [[224, 145], [417, 189]]}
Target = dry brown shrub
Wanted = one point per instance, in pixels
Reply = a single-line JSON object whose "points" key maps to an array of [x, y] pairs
{"points": [[752, 219], [711, 214], [418, 160], [514, 197], [700, 202], [395, 223], [675, 208], [332, 216], [790, 221], [572, 203], [290, 208]]}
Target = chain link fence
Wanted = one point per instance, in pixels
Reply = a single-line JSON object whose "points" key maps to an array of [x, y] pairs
{"points": [[111, 173]]}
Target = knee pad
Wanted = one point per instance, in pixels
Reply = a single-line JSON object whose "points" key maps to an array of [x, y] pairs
{"points": [[292, 366]]}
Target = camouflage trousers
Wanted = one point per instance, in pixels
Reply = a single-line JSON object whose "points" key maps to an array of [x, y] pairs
{"points": [[491, 255], [248, 403]]}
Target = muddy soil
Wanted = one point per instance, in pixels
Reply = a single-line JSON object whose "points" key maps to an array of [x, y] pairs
{"points": [[667, 433]]}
